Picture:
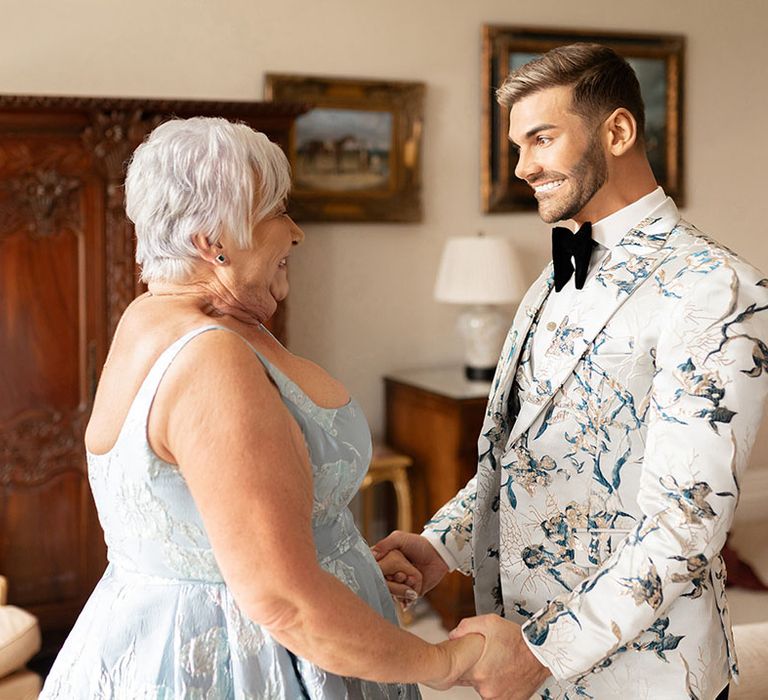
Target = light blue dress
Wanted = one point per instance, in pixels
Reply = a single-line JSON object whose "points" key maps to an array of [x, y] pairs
{"points": [[162, 623]]}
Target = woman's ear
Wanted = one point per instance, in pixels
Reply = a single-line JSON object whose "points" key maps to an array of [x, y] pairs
{"points": [[621, 131], [207, 250]]}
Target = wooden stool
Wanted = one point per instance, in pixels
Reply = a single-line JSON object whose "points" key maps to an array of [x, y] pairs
{"points": [[391, 466]]}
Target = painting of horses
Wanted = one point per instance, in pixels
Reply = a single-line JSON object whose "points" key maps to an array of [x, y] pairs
{"points": [[355, 152], [343, 150]]}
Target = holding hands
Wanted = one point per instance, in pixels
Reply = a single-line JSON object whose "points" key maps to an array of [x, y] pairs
{"points": [[506, 670], [403, 555], [404, 580], [502, 667]]}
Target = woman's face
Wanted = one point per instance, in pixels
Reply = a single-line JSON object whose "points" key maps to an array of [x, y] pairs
{"points": [[259, 275]]}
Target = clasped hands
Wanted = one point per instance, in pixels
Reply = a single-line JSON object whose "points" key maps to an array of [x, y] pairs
{"points": [[505, 669]]}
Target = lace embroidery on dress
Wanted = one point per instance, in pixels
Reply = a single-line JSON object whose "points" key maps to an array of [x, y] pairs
{"points": [[324, 417]]}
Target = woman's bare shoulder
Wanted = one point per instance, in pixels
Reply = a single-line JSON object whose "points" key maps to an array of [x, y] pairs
{"points": [[150, 325], [145, 331]]}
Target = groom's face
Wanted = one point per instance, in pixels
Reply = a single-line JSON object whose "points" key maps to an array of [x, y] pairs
{"points": [[560, 156]]}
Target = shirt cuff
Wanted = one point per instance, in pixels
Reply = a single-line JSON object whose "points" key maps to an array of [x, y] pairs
{"points": [[445, 554]]}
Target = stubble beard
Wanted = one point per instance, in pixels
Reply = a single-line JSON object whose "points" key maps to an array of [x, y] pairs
{"points": [[586, 178]]}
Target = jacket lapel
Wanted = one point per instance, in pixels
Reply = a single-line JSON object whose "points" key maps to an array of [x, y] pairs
{"points": [[628, 265]]}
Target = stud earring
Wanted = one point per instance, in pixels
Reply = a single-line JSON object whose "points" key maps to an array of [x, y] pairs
{"points": [[220, 259]]}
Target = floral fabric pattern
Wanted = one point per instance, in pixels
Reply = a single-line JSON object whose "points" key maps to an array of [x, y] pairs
{"points": [[608, 476]]}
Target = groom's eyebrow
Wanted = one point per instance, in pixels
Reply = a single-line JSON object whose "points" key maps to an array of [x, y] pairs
{"points": [[532, 132], [537, 129]]}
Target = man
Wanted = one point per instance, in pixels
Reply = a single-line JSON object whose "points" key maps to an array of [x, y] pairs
{"points": [[620, 418]]}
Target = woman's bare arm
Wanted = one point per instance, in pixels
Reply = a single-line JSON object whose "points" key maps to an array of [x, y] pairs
{"points": [[246, 464]]}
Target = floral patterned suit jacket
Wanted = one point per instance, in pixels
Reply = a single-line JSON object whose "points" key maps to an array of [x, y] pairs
{"points": [[604, 495]]}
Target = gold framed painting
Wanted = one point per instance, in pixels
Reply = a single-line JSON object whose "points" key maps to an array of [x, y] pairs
{"points": [[658, 61], [356, 153]]}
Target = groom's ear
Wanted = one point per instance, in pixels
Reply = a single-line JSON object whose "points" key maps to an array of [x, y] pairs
{"points": [[620, 131]]}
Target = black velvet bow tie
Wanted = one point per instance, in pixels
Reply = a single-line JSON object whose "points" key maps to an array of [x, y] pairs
{"points": [[567, 245]]}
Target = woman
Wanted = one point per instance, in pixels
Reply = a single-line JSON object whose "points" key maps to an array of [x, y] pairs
{"points": [[222, 465]]}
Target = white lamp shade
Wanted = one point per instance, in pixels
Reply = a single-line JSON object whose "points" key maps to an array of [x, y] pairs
{"points": [[478, 270]]}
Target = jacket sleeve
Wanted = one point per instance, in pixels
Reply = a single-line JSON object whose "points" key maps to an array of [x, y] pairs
{"points": [[450, 529], [706, 402]]}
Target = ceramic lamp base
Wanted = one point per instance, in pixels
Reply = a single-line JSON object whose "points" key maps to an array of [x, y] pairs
{"points": [[483, 329]]}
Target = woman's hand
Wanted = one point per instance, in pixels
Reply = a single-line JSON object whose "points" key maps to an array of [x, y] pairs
{"points": [[460, 659], [404, 580], [417, 550]]}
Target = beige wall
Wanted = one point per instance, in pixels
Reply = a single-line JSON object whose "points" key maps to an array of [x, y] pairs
{"points": [[362, 303]]}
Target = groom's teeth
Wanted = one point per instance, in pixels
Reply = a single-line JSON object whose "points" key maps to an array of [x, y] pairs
{"points": [[548, 186]]}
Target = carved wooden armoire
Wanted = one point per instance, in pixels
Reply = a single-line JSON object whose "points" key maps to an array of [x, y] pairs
{"points": [[67, 273]]}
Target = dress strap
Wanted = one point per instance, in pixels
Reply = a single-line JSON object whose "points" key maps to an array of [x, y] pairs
{"points": [[136, 421], [138, 413]]}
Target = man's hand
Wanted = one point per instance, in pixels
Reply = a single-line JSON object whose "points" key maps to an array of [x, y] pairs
{"points": [[418, 551], [507, 670]]}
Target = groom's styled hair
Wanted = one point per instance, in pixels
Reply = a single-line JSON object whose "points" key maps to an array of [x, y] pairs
{"points": [[602, 81]]}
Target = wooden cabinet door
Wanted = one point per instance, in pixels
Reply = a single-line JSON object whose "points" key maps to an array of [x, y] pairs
{"points": [[52, 342]]}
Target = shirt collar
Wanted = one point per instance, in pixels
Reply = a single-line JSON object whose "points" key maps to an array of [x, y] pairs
{"points": [[610, 230]]}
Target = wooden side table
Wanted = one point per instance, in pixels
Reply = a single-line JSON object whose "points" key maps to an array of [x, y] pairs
{"points": [[435, 416]]}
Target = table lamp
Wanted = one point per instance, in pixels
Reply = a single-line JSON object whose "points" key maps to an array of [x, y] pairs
{"points": [[480, 272]]}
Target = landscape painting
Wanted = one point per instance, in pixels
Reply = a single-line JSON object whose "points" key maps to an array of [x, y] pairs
{"points": [[355, 152], [343, 150]]}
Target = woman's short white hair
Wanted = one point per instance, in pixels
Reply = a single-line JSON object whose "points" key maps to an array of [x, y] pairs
{"points": [[200, 175]]}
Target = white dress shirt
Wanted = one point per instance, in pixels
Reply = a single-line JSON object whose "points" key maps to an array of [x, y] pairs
{"points": [[607, 233]]}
